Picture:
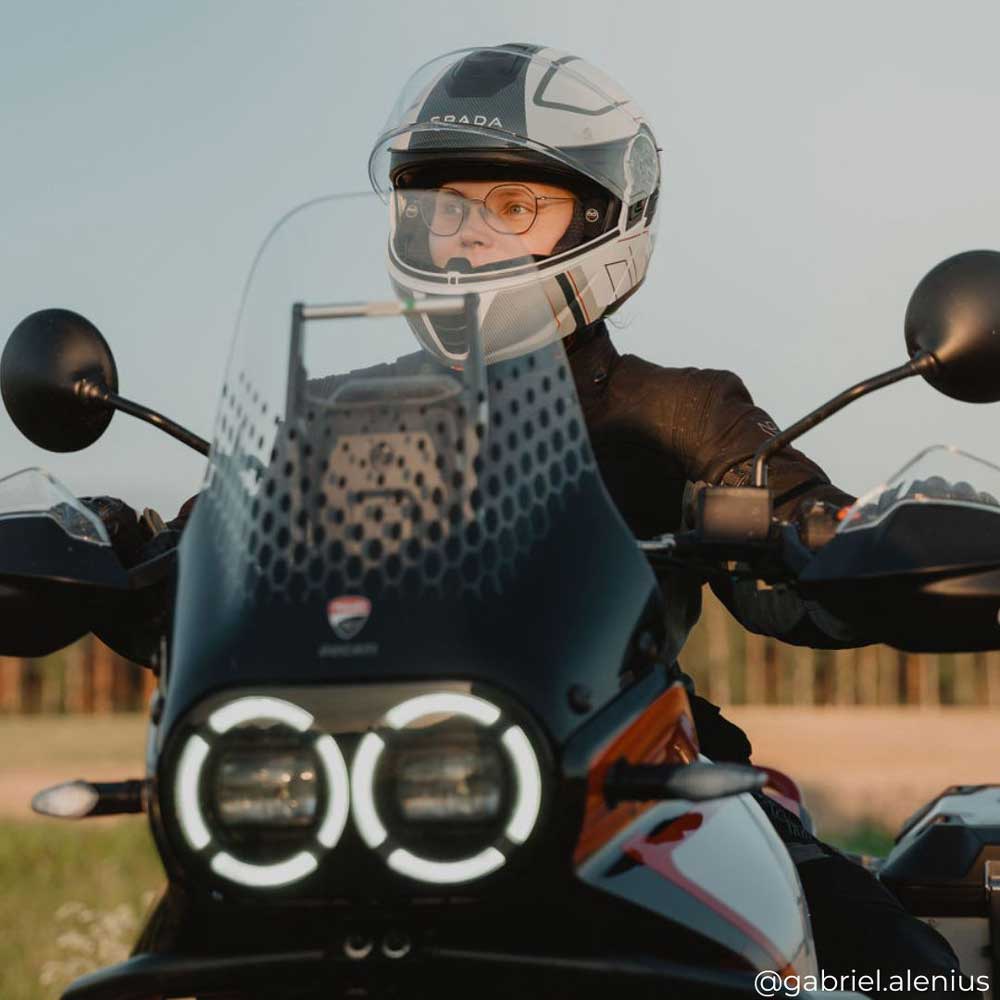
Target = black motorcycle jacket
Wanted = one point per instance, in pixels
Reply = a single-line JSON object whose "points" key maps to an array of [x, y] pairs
{"points": [[656, 433]]}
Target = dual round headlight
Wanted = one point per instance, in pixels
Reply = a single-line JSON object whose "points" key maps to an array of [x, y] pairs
{"points": [[448, 790], [443, 789], [281, 786]]}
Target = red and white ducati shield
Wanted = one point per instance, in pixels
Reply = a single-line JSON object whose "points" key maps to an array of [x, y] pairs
{"points": [[347, 615]]}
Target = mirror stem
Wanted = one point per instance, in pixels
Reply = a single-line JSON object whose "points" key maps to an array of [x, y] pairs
{"points": [[101, 394], [919, 364]]}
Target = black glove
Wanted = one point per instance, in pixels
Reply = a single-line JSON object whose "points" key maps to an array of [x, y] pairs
{"points": [[122, 524], [137, 539]]}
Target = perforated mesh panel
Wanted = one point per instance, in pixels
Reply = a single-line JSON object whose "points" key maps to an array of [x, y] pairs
{"points": [[386, 498]]}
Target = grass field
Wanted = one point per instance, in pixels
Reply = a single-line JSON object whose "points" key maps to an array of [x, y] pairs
{"points": [[73, 899]]}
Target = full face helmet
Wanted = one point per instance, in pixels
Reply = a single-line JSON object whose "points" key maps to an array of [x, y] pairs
{"points": [[512, 114]]}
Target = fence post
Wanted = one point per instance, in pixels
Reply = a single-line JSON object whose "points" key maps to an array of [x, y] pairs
{"points": [[52, 676], [866, 659], [104, 672], [805, 676], [843, 677], [912, 679], [888, 676], [993, 678], [719, 650], [76, 677], [784, 668], [11, 671], [756, 680], [965, 679], [930, 676]]}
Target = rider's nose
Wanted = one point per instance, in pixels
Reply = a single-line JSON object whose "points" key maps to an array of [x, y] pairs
{"points": [[474, 230]]}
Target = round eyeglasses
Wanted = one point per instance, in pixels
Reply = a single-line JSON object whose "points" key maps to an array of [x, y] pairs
{"points": [[508, 209]]}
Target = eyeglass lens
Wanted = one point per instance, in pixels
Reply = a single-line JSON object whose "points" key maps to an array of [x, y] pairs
{"points": [[509, 209]]}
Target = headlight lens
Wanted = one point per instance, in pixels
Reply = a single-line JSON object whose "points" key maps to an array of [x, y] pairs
{"points": [[447, 781], [261, 787], [260, 793], [446, 788]]}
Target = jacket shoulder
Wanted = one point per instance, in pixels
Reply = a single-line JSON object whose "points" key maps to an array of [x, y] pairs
{"points": [[698, 389], [706, 379]]}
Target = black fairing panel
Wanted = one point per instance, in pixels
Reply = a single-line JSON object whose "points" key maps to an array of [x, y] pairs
{"points": [[580, 597]]}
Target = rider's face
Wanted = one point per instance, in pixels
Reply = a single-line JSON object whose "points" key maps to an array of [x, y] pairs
{"points": [[481, 244]]}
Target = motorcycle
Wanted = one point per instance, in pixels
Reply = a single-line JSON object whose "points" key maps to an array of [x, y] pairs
{"points": [[418, 723]]}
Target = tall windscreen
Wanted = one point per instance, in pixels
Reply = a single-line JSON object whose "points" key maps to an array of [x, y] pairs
{"points": [[397, 411]]}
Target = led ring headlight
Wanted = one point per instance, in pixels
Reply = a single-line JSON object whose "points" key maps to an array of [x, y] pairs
{"points": [[188, 780], [520, 823]]}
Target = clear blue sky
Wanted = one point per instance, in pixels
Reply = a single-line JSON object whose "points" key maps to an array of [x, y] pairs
{"points": [[818, 159]]}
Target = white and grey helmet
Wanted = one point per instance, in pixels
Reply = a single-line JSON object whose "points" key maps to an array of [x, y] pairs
{"points": [[524, 112]]}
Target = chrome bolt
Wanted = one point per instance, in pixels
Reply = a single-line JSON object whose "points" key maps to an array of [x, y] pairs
{"points": [[396, 944], [357, 946]]}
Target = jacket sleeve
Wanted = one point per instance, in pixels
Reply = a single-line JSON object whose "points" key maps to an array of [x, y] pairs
{"points": [[730, 431]]}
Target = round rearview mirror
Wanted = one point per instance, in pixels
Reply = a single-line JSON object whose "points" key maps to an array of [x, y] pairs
{"points": [[45, 358], [954, 314]]}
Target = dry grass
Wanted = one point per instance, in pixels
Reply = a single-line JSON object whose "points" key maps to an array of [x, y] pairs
{"points": [[860, 765]]}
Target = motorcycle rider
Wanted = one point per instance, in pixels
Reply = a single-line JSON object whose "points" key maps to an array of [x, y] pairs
{"points": [[519, 153]]}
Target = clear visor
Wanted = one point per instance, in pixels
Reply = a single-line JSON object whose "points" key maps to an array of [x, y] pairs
{"points": [[551, 107]]}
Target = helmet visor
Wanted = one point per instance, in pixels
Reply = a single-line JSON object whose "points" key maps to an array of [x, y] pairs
{"points": [[518, 106]]}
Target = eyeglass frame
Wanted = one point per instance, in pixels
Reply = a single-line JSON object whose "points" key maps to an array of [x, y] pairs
{"points": [[484, 212]]}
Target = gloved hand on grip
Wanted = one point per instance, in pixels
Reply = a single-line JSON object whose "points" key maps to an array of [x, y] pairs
{"points": [[134, 627], [134, 538]]}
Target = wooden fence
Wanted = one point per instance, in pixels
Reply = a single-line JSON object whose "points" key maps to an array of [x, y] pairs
{"points": [[86, 678], [732, 666], [728, 664]]}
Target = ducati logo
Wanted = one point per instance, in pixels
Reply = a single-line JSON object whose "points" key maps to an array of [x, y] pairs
{"points": [[348, 615], [481, 120]]}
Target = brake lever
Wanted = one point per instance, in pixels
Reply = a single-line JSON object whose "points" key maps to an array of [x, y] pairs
{"points": [[777, 558]]}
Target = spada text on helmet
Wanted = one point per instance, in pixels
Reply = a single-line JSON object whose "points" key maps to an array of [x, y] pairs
{"points": [[466, 120]]}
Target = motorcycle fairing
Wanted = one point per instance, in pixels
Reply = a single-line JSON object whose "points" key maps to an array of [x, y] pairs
{"points": [[722, 871], [505, 566]]}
